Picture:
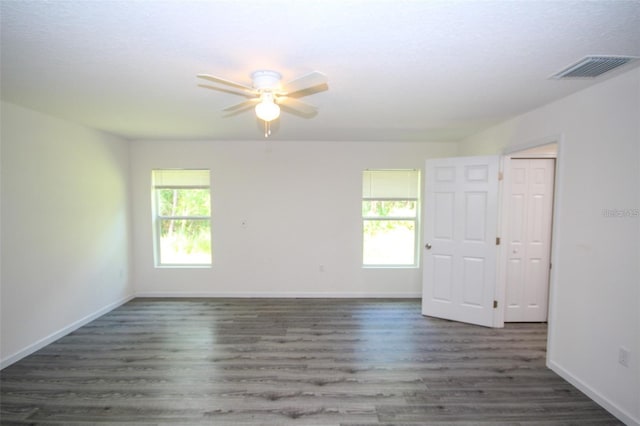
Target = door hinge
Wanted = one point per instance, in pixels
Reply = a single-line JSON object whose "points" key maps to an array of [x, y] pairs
{"points": [[550, 265], [495, 304], [500, 175], [497, 241]]}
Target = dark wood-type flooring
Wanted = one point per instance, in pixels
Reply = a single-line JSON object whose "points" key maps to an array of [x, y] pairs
{"points": [[291, 361]]}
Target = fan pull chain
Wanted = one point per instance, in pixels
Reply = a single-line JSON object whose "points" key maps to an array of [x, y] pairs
{"points": [[267, 129]]}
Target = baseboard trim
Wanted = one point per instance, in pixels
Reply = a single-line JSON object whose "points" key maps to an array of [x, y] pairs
{"points": [[604, 402], [316, 295], [60, 333]]}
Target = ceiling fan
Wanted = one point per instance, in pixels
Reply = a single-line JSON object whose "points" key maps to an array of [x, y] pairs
{"points": [[267, 94]]}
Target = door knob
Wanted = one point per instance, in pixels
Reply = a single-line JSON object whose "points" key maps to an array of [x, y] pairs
{"points": [[428, 246]]}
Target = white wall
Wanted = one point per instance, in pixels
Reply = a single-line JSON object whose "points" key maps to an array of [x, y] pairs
{"points": [[65, 223], [302, 205], [595, 290]]}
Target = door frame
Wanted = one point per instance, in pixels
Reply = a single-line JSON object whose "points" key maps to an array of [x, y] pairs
{"points": [[516, 151]]}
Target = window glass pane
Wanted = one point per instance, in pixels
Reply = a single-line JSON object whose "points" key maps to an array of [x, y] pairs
{"points": [[185, 241], [377, 208], [389, 242], [183, 202]]}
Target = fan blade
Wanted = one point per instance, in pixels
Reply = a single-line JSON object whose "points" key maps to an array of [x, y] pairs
{"points": [[242, 105], [222, 89], [227, 82], [312, 79], [237, 109], [309, 91], [297, 107]]}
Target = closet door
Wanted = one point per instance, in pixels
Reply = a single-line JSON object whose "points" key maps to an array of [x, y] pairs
{"points": [[529, 194]]}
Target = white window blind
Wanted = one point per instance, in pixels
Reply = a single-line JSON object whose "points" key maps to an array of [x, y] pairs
{"points": [[390, 184], [181, 178]]}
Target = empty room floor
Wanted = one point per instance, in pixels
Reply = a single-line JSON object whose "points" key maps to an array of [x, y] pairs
{"points": [[291, 361]]}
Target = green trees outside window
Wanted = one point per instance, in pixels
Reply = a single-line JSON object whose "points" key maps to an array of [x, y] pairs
{"points": [[389, 232], [182, 217]]}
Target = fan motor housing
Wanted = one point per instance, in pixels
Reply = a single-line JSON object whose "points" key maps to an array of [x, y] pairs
{"points": [[266, 80]]}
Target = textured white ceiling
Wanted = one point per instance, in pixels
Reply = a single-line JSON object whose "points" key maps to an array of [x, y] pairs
{"points": [[398, 70]]}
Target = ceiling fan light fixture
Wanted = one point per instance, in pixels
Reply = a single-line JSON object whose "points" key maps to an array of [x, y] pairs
{"points": [[267, 93], [267, 110]]}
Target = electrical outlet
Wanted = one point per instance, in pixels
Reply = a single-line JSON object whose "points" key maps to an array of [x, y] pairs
{"points": [[623, 356]]}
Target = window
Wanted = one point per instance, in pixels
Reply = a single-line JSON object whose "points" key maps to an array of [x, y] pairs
{"points": [[182, 217], [390, 211]]}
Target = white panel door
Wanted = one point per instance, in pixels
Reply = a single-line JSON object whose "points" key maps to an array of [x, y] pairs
{"points": [[529, 195], [460, 229]]}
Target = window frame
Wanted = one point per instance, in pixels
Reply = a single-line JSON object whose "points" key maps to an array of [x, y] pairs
{"points": [[415, 219], [158, 219]]}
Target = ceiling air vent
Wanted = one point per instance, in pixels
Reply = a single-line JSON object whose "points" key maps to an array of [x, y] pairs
{"points": [[593, 66]]}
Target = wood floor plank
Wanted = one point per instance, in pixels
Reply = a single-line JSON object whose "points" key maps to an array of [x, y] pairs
{"points": [[290, 361]]}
